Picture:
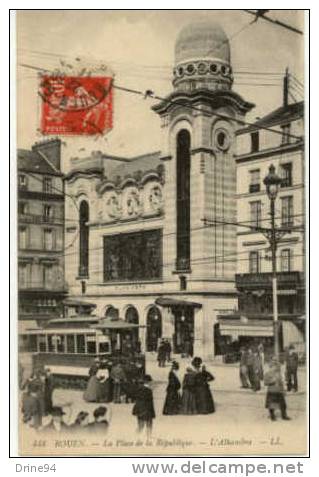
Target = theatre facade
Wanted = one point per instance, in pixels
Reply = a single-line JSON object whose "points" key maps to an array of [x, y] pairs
{"points": [[153, 239]]}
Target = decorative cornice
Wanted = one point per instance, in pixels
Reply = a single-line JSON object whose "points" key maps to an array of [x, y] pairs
{"points": [[215, 99]]}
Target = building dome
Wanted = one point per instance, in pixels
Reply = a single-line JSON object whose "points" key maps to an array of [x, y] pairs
{"points": [[202, 57]]}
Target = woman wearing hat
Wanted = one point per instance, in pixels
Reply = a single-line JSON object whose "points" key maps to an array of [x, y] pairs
{"points": [[203, 396], [204, 399], [173, 399], [91, 394], [188, 404]]}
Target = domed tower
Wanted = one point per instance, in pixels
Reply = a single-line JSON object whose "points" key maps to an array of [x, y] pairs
{"points": [[199, 122], [202, 58]]}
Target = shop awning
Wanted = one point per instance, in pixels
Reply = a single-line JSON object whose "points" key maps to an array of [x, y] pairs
{"points": [[60, 331], [25, 326], [119, 324], [238, 328], [168, 301]]}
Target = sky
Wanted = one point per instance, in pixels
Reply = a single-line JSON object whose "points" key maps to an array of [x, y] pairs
{"points": [[138, 46]]}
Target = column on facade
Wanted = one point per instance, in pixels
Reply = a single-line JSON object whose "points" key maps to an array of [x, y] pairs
{"points": [[167, 323], [204, 332]]}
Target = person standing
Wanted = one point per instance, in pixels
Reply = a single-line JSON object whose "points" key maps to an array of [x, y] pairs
{"points": [[143, 408], [256, 371], [292, 369], [168, 350], [161, 354], [203, 395], [275, 397], [91, 394], [250, 367], [243, 370], [119, 379], [173, 398], [48, 391], [188, 403], [94, 367]]}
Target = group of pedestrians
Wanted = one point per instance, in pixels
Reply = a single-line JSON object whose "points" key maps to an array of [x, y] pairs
{"points": [[195, 396], [251, 367], [109, 382], [251, 372], [191, 397]]}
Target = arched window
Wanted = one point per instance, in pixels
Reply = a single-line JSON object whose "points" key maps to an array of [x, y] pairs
{"points": [[131, 316], [183, 200], [84, 240], [154, 328]]}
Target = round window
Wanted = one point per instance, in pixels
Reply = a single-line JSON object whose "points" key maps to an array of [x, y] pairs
{"points": [[213, 68], [222, 139], [223, 69], [202, 68], [190, 69], [180, 71]]}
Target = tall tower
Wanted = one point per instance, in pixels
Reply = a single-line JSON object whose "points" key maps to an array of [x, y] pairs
{"points": [[199, 120]]}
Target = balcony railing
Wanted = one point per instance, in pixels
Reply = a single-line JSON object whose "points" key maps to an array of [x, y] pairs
{"points": [[39, 219], [254, 188], [264, 280]]}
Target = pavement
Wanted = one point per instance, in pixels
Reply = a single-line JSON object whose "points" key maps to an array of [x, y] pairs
{"points": [[240, 423]]}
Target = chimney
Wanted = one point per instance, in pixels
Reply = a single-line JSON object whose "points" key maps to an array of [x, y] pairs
{"points": [[51, 149]]}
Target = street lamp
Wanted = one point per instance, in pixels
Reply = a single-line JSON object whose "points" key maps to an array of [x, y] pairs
{"points": [[272, 182]]}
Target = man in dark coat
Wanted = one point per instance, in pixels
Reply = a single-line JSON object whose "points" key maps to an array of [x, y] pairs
{"points": [[173, 399], [161, 354], [143, 408], [291, 369], [168, 350], [275, 397], [48, 391]]}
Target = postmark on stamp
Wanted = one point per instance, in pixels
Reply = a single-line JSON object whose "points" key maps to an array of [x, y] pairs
{"points": [[76, 105]]}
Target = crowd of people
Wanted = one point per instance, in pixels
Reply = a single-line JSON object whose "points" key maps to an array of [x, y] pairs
{"points": [[125, 382], [251, 374]]}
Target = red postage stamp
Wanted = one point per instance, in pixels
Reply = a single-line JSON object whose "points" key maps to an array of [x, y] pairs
{"points": [[75, 105]]}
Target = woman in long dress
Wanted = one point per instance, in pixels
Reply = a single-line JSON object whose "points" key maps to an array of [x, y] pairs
{"points": [[105, 388], [173, 399], [204, 399], [91, 394], [188, 404]]}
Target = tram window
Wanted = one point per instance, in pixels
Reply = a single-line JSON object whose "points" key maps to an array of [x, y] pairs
{"points": [[42, 343], [104, 347], [50, 344], [91, 347], [61, 344], [70, 344], [80, 343], [33, 343]]}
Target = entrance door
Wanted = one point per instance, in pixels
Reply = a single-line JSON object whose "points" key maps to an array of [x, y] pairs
{"points": [[154, 328], [184, 330], [131, 338]]}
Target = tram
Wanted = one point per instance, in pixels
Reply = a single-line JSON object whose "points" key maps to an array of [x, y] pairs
{"points": [[68, 347]]}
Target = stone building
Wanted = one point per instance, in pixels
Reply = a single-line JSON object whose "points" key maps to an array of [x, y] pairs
{"points": [[41, 285], [155, 230], [257, 149]]}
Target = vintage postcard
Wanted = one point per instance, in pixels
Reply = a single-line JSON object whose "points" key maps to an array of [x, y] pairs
{"points": [[161, 232]]}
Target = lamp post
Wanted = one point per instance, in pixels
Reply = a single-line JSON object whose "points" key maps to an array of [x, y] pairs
{"points": [[272, 182]]}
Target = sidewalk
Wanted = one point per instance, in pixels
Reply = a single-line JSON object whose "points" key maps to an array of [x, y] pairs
{"points": [[226, 375]]}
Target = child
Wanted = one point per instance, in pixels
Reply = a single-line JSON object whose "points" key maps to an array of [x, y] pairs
{"points": [[143, 408]]}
